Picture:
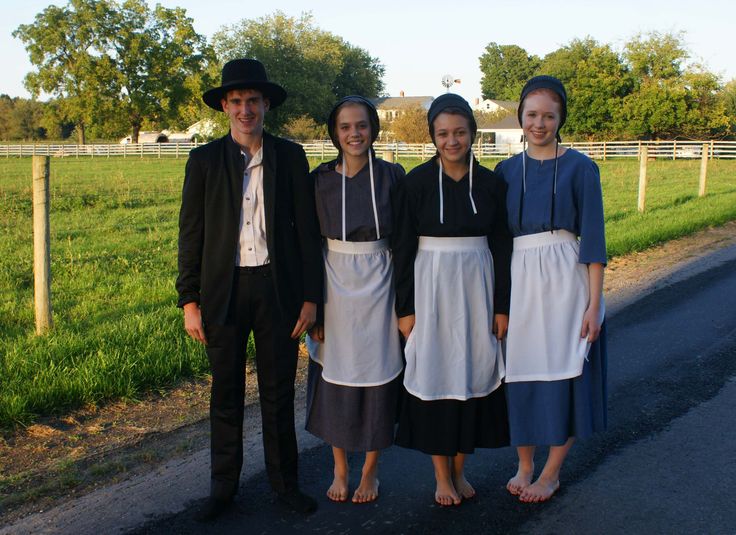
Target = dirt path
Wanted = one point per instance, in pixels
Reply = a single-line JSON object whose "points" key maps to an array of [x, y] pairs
{"points": [[60, 459]]}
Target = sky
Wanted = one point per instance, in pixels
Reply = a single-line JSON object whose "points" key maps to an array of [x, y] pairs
{"points": [[419, 42]]}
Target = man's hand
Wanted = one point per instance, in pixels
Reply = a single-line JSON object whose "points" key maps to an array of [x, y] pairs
{"points": [[193, 322], [406, 325], [317, 333], [307, 317], [500, 325]]}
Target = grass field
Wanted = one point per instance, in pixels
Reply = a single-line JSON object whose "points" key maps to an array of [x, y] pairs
{"points": [[113, 243]]}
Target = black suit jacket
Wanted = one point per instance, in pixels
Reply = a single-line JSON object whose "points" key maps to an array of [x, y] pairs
{"points": [[209, 226]]}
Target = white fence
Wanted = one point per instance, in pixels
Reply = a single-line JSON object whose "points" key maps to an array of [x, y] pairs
{"points": [[601, 150]]}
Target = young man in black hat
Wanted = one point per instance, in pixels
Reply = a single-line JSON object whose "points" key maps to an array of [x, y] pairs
{"points": [[249, 260]]}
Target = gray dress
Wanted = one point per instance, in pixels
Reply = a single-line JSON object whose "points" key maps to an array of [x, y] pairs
{"points": [[355, 418]]}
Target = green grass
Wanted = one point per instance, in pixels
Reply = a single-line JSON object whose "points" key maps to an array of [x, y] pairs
{"points": [[117, 331]]}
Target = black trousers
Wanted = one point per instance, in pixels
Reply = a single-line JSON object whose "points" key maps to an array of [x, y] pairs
{"points": [[252, 307]]}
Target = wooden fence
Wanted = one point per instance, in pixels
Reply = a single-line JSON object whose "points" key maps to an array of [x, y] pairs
{"points": [[600, 150]]}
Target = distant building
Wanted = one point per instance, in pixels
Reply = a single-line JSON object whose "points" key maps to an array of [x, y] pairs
{"points": [[505, 131], [492, 106], [147, 137], [203, 129], [391, 107]]}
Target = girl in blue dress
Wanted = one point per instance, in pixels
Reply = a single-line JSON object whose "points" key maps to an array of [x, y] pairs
{"points": [[556, 345]]}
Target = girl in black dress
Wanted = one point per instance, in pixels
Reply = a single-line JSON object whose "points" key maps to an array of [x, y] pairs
{"points": [[452, 253]]}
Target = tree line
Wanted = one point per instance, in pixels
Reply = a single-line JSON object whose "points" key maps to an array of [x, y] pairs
{"points": [[647, 91], [117, 67], [114, 68]]}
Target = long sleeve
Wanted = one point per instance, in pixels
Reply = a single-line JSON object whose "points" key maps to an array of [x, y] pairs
{"points": [[307, 228], [404, 243], [501, 244], [191, 233]]}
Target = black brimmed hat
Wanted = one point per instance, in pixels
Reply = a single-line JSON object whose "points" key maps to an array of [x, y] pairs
{"points": [[244, 74]]}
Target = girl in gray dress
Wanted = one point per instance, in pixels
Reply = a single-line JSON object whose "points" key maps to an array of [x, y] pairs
{"points": [[355, 356]]}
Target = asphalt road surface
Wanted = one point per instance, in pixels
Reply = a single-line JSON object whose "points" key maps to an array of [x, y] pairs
{"points": [[667, 463]]}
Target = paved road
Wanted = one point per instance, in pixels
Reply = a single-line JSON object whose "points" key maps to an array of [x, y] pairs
{"points": [[666, 464]]}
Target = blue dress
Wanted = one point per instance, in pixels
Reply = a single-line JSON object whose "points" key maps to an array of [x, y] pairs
{"points": [[550, 412]]}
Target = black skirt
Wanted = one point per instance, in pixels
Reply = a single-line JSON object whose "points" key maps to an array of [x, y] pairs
{"points": [[448, 426]]}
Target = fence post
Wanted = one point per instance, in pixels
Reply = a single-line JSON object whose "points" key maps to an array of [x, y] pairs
{"points": [[322, 150], [644, 153], [604, 151], [41, 247], [638, 152], [703, 170], [674, 149]]}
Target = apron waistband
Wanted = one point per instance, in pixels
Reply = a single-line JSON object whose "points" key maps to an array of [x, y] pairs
{"points": [[465, 243], [531, 241], [357, 247]]}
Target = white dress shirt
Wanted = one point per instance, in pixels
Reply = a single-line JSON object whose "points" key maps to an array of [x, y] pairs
{"points": [[252, 247]]}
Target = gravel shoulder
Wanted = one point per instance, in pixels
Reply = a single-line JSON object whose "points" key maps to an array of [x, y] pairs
{"points": [[63, 463]]}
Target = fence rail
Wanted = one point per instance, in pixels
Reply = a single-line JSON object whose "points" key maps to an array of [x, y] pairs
{"points": [[600, 150]]}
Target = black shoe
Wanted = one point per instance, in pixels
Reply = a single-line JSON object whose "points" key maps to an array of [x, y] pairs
{"points": [[212, 509], [297, 501]]}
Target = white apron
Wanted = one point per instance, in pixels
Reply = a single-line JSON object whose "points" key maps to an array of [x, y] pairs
{"points": [[361, 346], [452, 353], [549, 297]]}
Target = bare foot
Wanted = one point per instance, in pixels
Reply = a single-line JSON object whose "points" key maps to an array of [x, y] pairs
{"points": [[540, 491], [446, 494], [367, 491], [520, 481], [462, 486], [338, 491]]}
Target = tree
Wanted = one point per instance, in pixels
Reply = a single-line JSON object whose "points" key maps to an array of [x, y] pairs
{"points": [[21, 119], [113, 64], [411, 126], [315, 67], [656, 56], [486, 119], [27, 118], [596, 81], [670, 99], [60, 42], [6, 111], [728, 97], [361, 74], [506, 68], [55, 122], [154, 53], [305, 128]]}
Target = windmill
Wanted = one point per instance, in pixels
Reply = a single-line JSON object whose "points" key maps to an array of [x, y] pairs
{"points": [[448, 80]]}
